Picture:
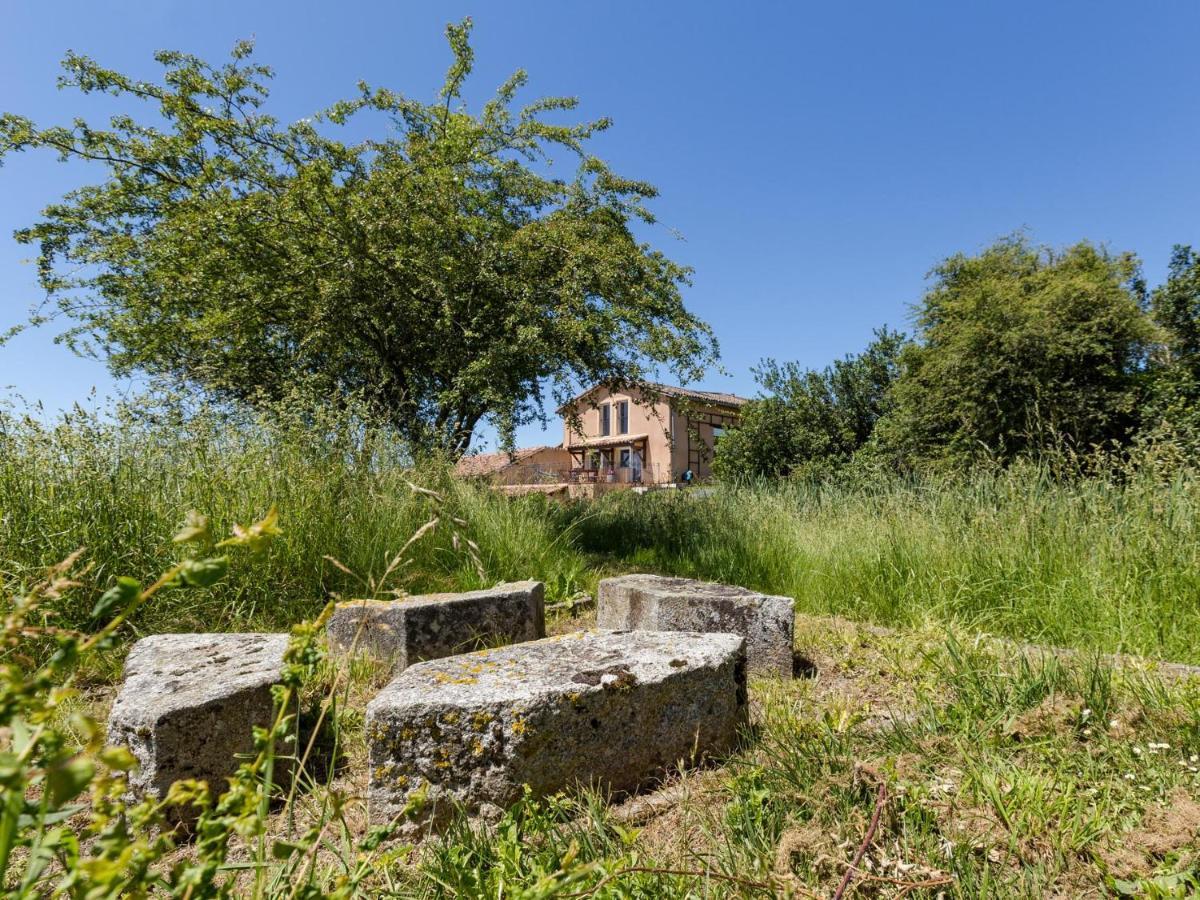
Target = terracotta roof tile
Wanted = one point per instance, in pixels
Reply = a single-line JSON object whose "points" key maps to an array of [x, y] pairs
{"points": [[720, 398], [490, 463]]}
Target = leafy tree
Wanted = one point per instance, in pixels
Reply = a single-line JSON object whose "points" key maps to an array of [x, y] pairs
{"points": [[813, 421], [1176, 307], [1173, 398], [438, 272], [1020, 348]]}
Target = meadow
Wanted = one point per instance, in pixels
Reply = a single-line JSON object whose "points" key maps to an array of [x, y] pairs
{"points": [[1103, 563], [923, 760]]}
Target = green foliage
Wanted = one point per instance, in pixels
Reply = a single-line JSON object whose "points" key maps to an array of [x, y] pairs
{"points": [[1172, 404], [976, 801], [1020, 349], [438, 273], [120, 485], [1100, 562], [813, 422], [1106, 561], [1176, 307], [53, 842]]}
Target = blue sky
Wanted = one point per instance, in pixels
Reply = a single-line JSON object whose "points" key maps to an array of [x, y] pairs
{"points": [[814, 160]]}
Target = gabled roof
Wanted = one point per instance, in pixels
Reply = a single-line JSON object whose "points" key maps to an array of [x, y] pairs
{"points": [[717, 398], [490, 463]]}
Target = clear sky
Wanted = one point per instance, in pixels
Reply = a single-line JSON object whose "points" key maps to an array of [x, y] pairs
{"points": [[815, 160]]}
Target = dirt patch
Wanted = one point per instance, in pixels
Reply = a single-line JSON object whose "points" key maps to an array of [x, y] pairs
{"points": [[1166, 829], [1171, 827], [1056, 715]]}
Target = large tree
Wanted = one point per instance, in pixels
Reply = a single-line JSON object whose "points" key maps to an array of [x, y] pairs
{"points": [[1021, 348], [438, 272]]}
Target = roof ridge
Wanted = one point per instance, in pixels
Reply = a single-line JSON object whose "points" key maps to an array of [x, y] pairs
{"points": [[722, 397]]}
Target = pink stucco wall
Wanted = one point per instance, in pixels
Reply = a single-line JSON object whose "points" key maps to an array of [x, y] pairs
{"points": [[666, 430]]}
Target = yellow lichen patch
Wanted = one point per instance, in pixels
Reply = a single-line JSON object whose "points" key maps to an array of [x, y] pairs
{"points": [[519, 726], [482, 719], [478, 668], [445, 678]]}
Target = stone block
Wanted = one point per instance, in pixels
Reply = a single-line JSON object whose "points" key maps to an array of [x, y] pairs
{"points": [[610, 709], [432, 626], [189, 704], [657, 603]]}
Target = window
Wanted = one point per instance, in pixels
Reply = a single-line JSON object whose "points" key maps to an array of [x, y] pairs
{"points": [[605, 420], [623, 417], [625, 458], [718, 433]]}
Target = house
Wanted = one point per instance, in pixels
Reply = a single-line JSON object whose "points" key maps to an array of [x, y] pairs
{"points": [[651, 434], [617, 437]]}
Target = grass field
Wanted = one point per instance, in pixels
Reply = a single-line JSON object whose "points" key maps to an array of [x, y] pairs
{"points": [[989, 772], [986, 771], [1091, 563]]}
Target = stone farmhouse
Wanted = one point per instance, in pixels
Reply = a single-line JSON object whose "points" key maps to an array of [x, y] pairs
{"points": [[617, 436]]}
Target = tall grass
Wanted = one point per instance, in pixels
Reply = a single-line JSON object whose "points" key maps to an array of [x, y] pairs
{"points": [[122, 487], [1110, 564]]}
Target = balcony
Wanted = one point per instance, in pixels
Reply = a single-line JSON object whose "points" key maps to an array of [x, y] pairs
{"points": [[578, 481]]}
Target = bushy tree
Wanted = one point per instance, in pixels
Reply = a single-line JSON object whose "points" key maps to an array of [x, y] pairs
{"points": [[437, 271], [1020, 348], [812, 421], [1173, 393]]}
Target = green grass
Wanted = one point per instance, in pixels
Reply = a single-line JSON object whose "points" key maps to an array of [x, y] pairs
{"points": [[1001, 774], [1090, 563], [121, 490], [1107, 564], [997, 773]]}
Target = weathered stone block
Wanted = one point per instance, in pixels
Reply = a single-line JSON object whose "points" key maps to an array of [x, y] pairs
{"points": [[436, 625], [613, 709], [656, 603], [189, 704]]}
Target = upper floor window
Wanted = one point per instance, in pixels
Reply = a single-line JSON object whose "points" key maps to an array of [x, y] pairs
{"points": [[605, 420], [623, 417]]}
